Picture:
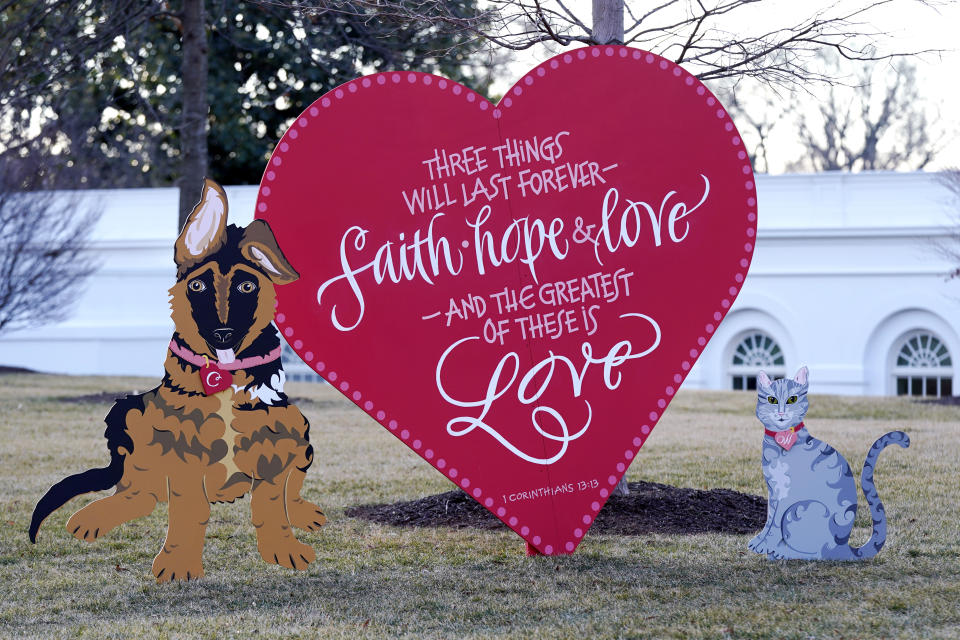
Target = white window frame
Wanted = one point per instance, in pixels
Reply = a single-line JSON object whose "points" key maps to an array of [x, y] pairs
{"points": [[912, 371], [746, 371]]}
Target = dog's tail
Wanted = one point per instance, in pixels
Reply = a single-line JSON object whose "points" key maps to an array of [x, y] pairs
{"points": [[72, 486], [119, 443]]}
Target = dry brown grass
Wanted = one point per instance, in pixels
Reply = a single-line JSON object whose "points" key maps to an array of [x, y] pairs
{"points": [[371, 581]]}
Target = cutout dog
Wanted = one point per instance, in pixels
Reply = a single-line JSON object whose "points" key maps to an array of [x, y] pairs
{"points": [[219, 424]]}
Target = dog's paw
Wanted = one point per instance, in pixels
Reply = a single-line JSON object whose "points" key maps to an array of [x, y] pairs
{"points": [[306, 515], [86, 525], [176, 565], [290, 553]]}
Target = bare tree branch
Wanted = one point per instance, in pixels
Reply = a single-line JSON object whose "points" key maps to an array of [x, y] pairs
{"points": [[949, 248], [43, 257], [687, 31], [756, 120], [49, 40], [872, 119], [879, 123]]}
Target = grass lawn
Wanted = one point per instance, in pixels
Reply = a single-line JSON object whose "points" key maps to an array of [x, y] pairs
{"points": [[371, 581]]}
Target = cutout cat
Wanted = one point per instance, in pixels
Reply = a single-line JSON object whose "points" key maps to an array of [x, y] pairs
{"points": [[812, 499]]}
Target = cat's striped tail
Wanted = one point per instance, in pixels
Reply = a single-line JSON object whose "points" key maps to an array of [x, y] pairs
{"points": [[879, 536]]}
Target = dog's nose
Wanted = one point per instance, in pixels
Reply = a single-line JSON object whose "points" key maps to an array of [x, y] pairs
{"points": [[223, 334]]}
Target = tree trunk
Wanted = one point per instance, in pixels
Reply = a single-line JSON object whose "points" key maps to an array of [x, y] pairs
{"points": [[608, 29], [608, 21], [193, 128], [622, 488]]}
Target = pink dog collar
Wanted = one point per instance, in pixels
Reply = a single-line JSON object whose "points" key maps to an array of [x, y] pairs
{"points": [[242, 363]]}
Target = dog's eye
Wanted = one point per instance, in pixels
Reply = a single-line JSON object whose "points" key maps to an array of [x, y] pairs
{"points": [[247, 286], [196, 285], [771, 400]]}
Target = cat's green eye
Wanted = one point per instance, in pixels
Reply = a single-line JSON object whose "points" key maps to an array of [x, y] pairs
{"points": [[791, 399], [771, 400]]}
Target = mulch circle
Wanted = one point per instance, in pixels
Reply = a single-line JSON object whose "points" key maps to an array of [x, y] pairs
{"points": [[650, 508]]}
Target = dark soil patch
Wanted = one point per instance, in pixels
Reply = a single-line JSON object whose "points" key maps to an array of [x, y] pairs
{"points": [[650, 508]]}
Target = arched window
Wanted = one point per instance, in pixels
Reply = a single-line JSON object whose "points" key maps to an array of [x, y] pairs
{"points": [[755, 352], [922, 366]]}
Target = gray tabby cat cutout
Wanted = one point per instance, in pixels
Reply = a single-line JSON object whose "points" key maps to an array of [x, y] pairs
{"points": [[812, 497]]}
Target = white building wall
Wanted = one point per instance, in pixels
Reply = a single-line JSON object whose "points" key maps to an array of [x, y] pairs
{"points": [[121, 324], [845, 265]]}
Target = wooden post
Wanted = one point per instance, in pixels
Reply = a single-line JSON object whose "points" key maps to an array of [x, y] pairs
{"points": [[193, 126]]}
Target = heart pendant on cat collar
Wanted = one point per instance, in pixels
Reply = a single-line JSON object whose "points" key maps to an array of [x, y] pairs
{"points": [[785, 439]]}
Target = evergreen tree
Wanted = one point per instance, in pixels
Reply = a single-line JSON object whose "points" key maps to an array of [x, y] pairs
{"points": [[110, 115]]}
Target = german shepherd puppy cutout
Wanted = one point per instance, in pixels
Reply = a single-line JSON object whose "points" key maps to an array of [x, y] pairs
{"points": [[219, 424]]}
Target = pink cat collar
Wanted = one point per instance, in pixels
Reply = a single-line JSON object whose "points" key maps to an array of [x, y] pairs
{"points": [[773, 434], [242, 363]]}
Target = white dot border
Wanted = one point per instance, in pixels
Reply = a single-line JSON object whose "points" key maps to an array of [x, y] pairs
{"points": [[431, 454]]}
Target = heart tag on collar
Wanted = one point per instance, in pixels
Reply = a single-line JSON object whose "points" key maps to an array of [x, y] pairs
{"points": [[786, 439], [517, 290], [214, 379]]}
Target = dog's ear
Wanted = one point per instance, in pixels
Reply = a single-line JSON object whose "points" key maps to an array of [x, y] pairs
{"points": [[206, 228], [259, 246]]}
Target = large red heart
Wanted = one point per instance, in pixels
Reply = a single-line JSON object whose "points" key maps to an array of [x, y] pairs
{"points": [[515, 291]]}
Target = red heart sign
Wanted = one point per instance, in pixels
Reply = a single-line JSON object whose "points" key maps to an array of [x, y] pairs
{"points": [[516, 291]]}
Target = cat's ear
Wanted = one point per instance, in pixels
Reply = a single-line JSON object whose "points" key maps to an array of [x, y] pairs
{"points": [[801, 377], [763, 380]]}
